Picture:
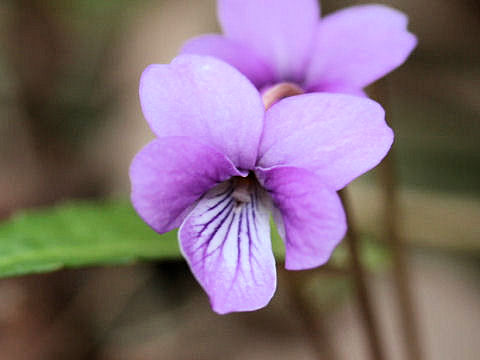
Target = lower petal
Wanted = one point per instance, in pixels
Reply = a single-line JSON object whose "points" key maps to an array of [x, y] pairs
{"points": [[227, 245], [310, 215]]}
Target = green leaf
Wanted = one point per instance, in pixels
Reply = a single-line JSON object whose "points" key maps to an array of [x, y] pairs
{"points": [[97, 233], [79, 234]]}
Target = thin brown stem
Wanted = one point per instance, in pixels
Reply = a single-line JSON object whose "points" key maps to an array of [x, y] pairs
{"points": [[359, 277], [399, 271], [314, 326], [387, 177]]}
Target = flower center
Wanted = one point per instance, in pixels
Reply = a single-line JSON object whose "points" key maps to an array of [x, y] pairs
{"points": [[244, 187], [280, 91]]}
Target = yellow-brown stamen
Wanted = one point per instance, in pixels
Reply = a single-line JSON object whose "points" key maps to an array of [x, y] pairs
{"points": [[279, 92]]}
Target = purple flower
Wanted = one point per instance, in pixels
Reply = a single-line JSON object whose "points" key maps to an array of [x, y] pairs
{"points": [[222, 164], [274, 41]]}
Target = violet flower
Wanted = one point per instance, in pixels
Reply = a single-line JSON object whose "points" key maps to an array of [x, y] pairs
{"points": [[222, 164], [275, 41]]}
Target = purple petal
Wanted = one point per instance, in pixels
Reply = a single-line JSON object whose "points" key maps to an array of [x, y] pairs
{"points": [[336, 136], [170, 174], [206, 99], [358, 45], [242, 57], [228, 248], [280, 31], [312, 221]]}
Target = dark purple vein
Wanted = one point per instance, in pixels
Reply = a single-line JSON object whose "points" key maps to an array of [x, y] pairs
{"points": [[229, 203]]}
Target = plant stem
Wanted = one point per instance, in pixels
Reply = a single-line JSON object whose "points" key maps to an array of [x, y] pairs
{"points": [[363, 295], [387, 177], [314, 327], [399, 271]]}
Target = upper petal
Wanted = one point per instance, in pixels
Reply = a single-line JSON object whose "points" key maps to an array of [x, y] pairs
{"points": [[239, 55], [358, 45], [336, 136], [280, 31], [207, 99], [228, 248], [311, 217], [170, 174]]}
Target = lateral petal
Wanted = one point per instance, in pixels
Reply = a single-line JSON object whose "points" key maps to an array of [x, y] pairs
{"points": [[310, 215], [170, 174]]}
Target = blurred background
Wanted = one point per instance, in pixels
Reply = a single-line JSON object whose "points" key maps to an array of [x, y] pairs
{"points": [[70, 123]]}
